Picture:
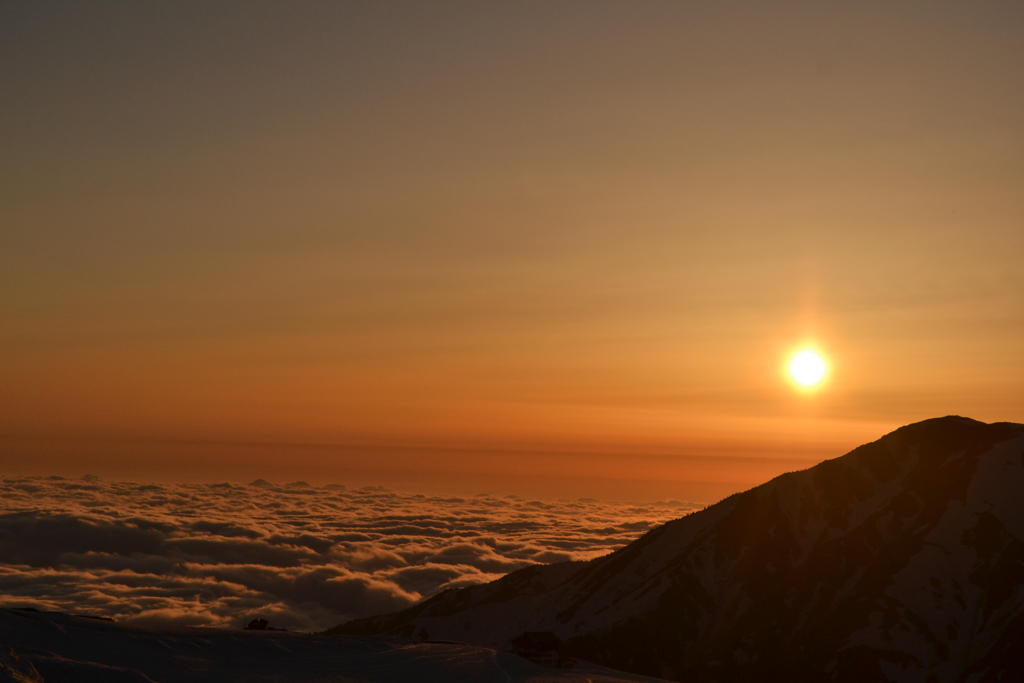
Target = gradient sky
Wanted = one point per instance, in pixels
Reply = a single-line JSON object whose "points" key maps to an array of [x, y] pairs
{"points": [[564, 247]]}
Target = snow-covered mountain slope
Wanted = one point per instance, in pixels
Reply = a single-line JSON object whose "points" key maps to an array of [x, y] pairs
{"points": [[48, 647], [902, 560]]}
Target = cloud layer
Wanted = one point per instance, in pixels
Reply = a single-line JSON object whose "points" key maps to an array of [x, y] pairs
{"points": [[303, 557]]}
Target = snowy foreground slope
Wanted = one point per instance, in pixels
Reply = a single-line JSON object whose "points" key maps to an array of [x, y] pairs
{"points": [[902, 561], [38, 647]]}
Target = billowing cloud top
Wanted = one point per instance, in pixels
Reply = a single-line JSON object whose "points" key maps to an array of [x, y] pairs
{"points": [[303, 557]]}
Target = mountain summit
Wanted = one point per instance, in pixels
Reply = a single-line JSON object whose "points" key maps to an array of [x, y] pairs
{"points": [[902, 560]]}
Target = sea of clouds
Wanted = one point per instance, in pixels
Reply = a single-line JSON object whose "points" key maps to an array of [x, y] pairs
{"points": [[304, 557]]}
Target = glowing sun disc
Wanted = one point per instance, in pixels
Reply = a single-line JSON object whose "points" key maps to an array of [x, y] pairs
{"points": [[807, 368]]}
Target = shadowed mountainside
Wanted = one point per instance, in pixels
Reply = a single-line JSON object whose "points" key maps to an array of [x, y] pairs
{"points": [[902, 560], [48, 647]]}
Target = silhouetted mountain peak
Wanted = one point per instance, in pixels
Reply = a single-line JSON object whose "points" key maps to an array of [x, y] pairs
{"points": [[901, 560]]}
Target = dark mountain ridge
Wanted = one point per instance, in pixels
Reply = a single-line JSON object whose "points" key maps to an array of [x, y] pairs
{"points": [[902, 560]]}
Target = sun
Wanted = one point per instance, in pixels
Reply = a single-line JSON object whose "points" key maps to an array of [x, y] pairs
{"points": [[808, 368]]}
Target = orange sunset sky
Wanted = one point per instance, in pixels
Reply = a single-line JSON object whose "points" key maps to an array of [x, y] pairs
{"points": [[548, 248]]}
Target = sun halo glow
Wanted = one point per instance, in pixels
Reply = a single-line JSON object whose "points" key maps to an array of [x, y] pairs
{"points": [[807, 368]]}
